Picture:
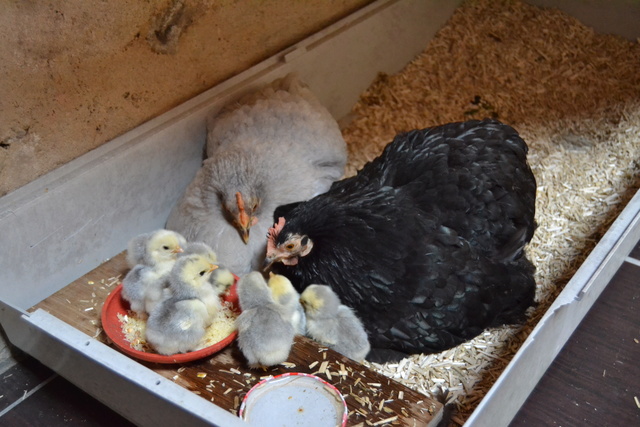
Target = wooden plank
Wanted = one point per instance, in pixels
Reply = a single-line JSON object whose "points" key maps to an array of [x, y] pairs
{"points": [[60, 403], [224, 379], [635, 253]]}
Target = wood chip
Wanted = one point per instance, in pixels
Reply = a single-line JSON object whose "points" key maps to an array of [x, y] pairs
{"points": [[323, 367], [386, 420]]}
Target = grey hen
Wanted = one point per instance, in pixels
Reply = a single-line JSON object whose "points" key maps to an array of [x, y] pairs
{"points": [[276, 146]]}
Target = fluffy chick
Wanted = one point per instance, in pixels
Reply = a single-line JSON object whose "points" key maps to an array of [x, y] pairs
{"points": [[333, 324], [265, 333], [151, 257], [177, 326], [285, 294], [179, 322], [190, 279], [271, 148], [221, 279], [155, 247]]}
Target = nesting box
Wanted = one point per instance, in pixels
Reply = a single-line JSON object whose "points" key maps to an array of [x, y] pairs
{"points": [[64, 226]]}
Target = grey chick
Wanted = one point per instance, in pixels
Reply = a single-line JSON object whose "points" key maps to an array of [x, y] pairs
{"points": [[151, 257], [333, 324], [285, 294], [274, 147], [265, 333], [177, 326], [221, 279], [178, 323]]}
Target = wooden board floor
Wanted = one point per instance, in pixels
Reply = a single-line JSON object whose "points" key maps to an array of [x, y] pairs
{"points": [[224, 378], [595, 380], [33, 395]]}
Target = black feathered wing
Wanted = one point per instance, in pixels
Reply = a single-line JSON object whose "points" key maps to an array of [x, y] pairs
{"points": [[474, 175]]}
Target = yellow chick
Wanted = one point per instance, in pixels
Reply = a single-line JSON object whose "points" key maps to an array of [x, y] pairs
{"points": [[222, 278], [178, 323], [151, 257], [285, 294], [333, 324], [265, 334]]}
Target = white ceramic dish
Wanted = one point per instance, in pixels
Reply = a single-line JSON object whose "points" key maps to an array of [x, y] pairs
{"points": [[294, 399]]}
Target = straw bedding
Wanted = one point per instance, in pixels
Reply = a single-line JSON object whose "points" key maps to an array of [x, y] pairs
{"points": [[574, 96]]}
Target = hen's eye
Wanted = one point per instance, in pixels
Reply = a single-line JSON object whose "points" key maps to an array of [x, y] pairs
{"points": [[290, 246]]}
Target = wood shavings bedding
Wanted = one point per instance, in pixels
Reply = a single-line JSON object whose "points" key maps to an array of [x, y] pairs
{"points": [[574, 96]]}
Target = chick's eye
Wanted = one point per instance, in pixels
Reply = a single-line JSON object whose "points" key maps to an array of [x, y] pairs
{"points": [[165, 247], [202, 273]]}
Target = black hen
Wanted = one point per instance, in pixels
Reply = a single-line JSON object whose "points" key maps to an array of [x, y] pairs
{"points": [[425, 243]]}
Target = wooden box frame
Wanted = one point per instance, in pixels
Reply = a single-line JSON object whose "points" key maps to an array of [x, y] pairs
{"points": [[66, 223]]}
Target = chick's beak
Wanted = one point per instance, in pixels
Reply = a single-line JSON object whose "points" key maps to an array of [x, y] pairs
{"points": [[211, 268], [177, 250]]}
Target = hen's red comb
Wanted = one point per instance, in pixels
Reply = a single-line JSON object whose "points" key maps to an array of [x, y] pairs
{"points": [[273, 233]]}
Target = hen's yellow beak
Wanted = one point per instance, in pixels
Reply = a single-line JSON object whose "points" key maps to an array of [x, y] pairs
{"points": [[244, 221], [244, 226]]}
